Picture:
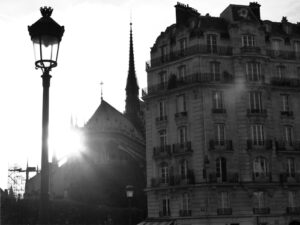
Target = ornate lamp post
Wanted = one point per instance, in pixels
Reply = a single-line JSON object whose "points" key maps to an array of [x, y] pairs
{"points": [[46, 35], [129, 195]]}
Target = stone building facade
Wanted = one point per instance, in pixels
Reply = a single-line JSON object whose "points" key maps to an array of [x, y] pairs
{"points": [[222, 112]]}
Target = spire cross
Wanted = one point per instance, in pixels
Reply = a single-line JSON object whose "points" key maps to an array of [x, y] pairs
{"points": [[101, 84]]}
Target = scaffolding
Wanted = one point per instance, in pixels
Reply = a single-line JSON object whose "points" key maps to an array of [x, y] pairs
{"points": [[17, 179]]}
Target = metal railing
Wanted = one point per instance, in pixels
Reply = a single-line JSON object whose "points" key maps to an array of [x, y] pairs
{"points": [[291, 55], [174, 180], [282, 145], [192, 50], [263, 177], [228, 178], [187, 80], [257, 112], [224, 211], [293, 177], [258, 144], [185, 212], [221, 144], [285, 81], [293, 210], [264, 210]]}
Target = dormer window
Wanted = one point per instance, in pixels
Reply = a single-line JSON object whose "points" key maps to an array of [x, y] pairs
{"points": [[276, 44], [248, 40]]}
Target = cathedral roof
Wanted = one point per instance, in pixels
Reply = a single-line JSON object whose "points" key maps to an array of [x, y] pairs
{"points": [[107, 118]]}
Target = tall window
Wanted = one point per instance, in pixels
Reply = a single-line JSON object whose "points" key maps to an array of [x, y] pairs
{"points": [[276, 45], [280, 71], [163, 138], [162, 76], [260, 167], [181, 107], [259, 199], [257, 134], [220, 133], [164, 173], [162, 109], [224, 200], [248, 41], [185, 201], [291, 167], [164, 53], [297, 46], [255, 102], [215, 70], [182, 135], [221, 169], [253, 71], [212, 43], [218, 100], [166, 206], [285, 103], [288, 135], [182, 45], [181, 73], [292, 198], [183, 169]]}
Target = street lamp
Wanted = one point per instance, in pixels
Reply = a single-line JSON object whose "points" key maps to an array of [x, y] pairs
{"points": [[46, 35], [129, 195]]}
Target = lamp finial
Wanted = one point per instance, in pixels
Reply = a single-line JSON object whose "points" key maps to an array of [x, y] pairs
{"points": [[46, 11]]}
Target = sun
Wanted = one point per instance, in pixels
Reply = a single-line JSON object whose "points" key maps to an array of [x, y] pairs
{"points": [[65, 143]]}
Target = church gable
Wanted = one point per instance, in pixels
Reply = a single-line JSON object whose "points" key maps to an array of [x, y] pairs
{"points": [[108, 119]]}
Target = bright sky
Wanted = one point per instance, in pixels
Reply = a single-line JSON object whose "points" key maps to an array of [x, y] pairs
{"points": [[94, 48]]}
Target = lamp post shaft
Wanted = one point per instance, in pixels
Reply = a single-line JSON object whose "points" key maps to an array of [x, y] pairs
{"points": [[44, 200]]}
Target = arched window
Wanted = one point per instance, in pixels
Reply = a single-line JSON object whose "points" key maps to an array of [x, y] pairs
{"points": [[260, 167], [164, 172], [221, 169]]}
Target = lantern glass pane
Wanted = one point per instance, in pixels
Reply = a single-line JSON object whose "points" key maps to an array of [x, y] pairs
{"points": [[129, 193], [37, 52]]}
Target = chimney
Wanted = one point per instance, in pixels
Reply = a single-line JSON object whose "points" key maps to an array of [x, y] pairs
{"points": [[255, 7], [184, 13]]}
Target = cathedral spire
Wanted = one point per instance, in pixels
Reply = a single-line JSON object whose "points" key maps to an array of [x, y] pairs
{"points": [[132, 89]]}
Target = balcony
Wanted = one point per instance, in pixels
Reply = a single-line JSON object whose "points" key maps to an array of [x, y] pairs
{"points": [[250, 49], [259, 144], [176, 180], [184, 148], [257, 112], [164, 213], [290, 55], [287, 113], [260, 211], [184, 213], [200, 78], [181, 115], [221, 145], [224, 211], [228, 178], [218, 111], [285, 82], [162, 151], [283, 146], [190, 51], [262, 177], [289, 177], [293, 210]]}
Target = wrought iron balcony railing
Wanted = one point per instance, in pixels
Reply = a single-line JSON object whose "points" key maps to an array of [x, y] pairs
{"points": [[224, 211], [283, 146], [185, 212], [164, 213], [162, 151], [287, 113], [259, 144], [290, 55], [181, 148], [264, 210], [292, 177], [228, 178], [181, 115], [293, 210], [250, 49], [288, 82], [257, 112], [187, 80], [176, 180], [221, 145], [264, 177], [192, 50], [218, 111]]}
